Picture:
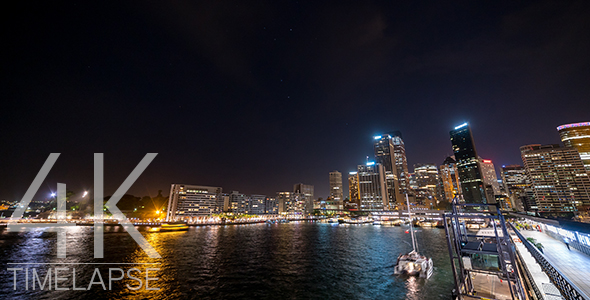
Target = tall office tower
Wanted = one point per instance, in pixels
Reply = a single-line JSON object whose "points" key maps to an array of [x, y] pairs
{"points": [[516, 183], [472, 185], [256, 204], [558, 178], [336, 192], [577, 135], [401, 162], [372, 187], [187, 201], [385, 156], [294, 203], [307, 191], [450, 179], [271, 206], [489, 175], [427, 180], [353, 188]]}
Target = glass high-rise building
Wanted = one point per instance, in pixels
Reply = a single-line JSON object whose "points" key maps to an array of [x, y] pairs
{"points": [[558, 178], [385, 156], [577, 135], [470, 176], [372, 187]]}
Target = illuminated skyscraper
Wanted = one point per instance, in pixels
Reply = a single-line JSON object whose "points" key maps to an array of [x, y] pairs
{"points": [[336, 187], [577, 135], [472, 185], [372, 187], [187, 201], [385, 156], [427, 181], [489, 175], [450, 179], [558, 178], [353, 188]]}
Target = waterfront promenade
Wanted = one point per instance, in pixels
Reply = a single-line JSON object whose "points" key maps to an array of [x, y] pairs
{"points": [[572, 263]]}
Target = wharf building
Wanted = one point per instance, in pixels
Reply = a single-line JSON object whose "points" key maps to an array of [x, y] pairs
{"points": [[294, 203], [558, 178], [385, 156], [373, 190], [271, 206], [256, 205], [470, 174], [449, 176], [188, 201], [577, 135], [238, 203]]}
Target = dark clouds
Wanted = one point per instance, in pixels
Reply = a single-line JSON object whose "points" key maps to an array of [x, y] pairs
{"points": [[258, 96]]}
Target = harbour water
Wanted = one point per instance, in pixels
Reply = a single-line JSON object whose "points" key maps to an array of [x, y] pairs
{"points": [[297, 260]]}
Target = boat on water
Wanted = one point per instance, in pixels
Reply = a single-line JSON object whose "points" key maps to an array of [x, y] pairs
{"points": [[355, 221], [413, 263], [426, 223], [389, 222], [169, 227]]}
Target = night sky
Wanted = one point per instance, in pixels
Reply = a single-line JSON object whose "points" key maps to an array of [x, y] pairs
{"points": [[256, 97]]}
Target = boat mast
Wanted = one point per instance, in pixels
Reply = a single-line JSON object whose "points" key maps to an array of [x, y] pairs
{"points": [[411, 228]]}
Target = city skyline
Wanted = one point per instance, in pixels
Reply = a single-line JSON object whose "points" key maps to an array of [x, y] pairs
{"points": [[322, 185]]}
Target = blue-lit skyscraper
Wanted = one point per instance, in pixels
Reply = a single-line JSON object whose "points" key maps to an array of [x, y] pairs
{"points": [[470, 176]]}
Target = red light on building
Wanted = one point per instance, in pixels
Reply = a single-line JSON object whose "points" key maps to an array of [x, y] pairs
{"points": [[487, 161]]}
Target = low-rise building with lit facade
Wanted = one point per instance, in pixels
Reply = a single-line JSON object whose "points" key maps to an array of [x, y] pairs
{"points": [[291, 203], [187, 201]]}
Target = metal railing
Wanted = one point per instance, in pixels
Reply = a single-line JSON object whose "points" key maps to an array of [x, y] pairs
{"points": [[567, 289], [528, 277]]}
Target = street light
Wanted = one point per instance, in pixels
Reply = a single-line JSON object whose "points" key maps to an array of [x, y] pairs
{"points": [[52, 195], [85, 193]]}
